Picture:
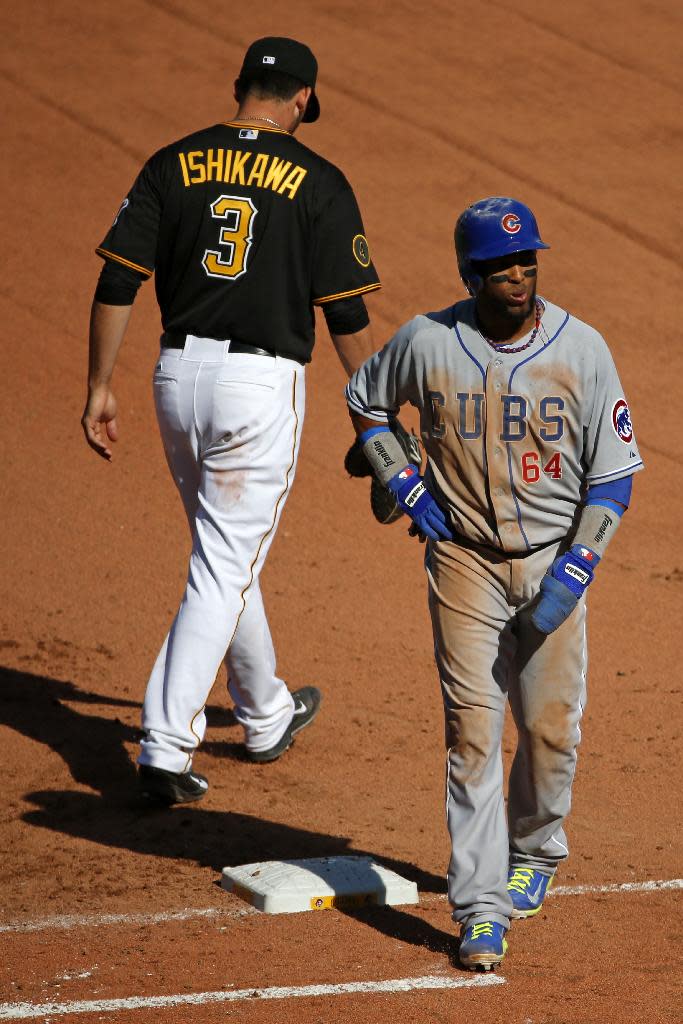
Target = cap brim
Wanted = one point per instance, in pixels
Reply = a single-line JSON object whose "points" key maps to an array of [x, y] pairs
{"points": [[514, 246], [312, 108]]}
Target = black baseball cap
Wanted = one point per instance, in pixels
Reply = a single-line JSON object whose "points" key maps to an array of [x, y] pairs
{"points": [[277, 53]]}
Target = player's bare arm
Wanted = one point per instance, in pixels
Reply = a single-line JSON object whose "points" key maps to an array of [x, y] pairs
{"points": [[348, 321], [361, 423], [107, 328], [353, 349]]}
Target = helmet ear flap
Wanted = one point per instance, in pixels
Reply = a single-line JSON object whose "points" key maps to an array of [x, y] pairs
{"points": [[473, 283], [470, 278]]}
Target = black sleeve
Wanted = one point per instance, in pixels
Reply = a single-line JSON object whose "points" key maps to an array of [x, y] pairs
{"points": [[342, 266], [118, 285], [346, 316], [132, 238]]}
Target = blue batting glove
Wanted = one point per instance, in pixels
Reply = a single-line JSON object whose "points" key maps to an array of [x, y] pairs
{"points": [[562, 586], [415, 500]]}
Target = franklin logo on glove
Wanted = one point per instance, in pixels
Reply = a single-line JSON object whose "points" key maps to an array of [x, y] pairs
{"points": [[411, 499], [573, 570]]}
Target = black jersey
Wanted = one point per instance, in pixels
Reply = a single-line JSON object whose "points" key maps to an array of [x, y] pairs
{"points": [[245, 229]]}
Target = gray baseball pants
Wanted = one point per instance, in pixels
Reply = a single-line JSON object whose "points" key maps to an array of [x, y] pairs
{"points": [[488, 653]]}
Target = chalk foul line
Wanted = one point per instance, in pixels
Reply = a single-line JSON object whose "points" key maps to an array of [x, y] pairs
{"points": [[101, 920], [66, 921], [26, 1011], [588, 890], [580, 890]]}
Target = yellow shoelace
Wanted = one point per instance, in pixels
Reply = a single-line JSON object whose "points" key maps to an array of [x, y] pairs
{"points": [[521, 879], [483, 928]]}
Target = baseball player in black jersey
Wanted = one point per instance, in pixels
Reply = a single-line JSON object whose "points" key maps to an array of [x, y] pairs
{"points": [[245, 230]]}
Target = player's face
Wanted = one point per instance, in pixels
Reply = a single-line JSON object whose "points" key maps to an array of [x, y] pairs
{"points": [[510, 284]]}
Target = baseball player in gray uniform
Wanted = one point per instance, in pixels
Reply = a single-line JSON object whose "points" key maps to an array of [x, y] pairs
{"points": [[530, 456]]}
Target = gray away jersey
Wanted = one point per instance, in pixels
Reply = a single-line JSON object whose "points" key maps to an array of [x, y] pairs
{"points": [[512, 439]]}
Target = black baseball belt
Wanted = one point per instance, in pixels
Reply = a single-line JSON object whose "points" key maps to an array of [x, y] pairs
{"points": [[488, 550], [177, 339]]}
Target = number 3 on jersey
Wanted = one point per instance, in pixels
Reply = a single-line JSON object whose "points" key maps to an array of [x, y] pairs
{"points": [[235, 237]]}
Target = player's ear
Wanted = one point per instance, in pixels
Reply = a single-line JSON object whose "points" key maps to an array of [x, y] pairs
{"points": [[235, 91], [301, 100]]}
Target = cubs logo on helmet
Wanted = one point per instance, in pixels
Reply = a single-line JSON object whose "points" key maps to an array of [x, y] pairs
{"points": [[511, 223], [621, 421]]}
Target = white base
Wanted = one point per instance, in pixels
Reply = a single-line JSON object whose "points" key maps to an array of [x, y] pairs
{"points": [[319, 883]]}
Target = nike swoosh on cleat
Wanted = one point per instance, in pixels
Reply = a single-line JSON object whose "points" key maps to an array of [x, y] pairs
{"points": [[300, 708], [534, 897]]}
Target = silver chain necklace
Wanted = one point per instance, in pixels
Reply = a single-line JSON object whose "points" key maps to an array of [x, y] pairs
{"points": [[269, 120]]}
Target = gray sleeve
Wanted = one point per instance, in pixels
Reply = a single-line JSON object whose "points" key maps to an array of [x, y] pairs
{"points": [[597, 525], [386, 380], [610, 449]]}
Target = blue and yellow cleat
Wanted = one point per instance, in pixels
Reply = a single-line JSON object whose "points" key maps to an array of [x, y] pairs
{"points": [[527, 888], [482, 945]]}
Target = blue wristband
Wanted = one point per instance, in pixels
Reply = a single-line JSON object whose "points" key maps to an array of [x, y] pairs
{"points": [[370, 432], [616, 494]]}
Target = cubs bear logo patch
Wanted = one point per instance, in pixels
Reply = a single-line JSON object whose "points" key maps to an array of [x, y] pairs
{"points": [[621, 421]]}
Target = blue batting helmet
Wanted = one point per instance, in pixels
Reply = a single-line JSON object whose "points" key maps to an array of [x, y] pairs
{"points": [[490, 228]]}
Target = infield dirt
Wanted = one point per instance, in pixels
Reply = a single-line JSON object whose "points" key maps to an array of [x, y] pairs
{"points": [[426, 108]]}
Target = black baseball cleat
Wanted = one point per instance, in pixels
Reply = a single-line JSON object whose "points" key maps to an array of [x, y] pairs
{"points": [[166, 788], [306, 707]]}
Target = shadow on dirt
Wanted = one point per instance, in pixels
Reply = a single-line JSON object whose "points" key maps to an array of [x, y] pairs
{"points": [[43, 710], [215, 839], [46, 710], [49, 711]]}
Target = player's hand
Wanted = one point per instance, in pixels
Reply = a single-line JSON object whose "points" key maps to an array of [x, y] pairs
{"points": [[99, 420], [562, 586], [414, 499]]}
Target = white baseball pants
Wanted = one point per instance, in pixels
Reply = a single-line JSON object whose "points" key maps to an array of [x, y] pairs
{"points": [[230, 425]]}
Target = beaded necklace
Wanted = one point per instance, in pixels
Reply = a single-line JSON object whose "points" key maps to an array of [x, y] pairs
{"points": [[520, 348]]}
